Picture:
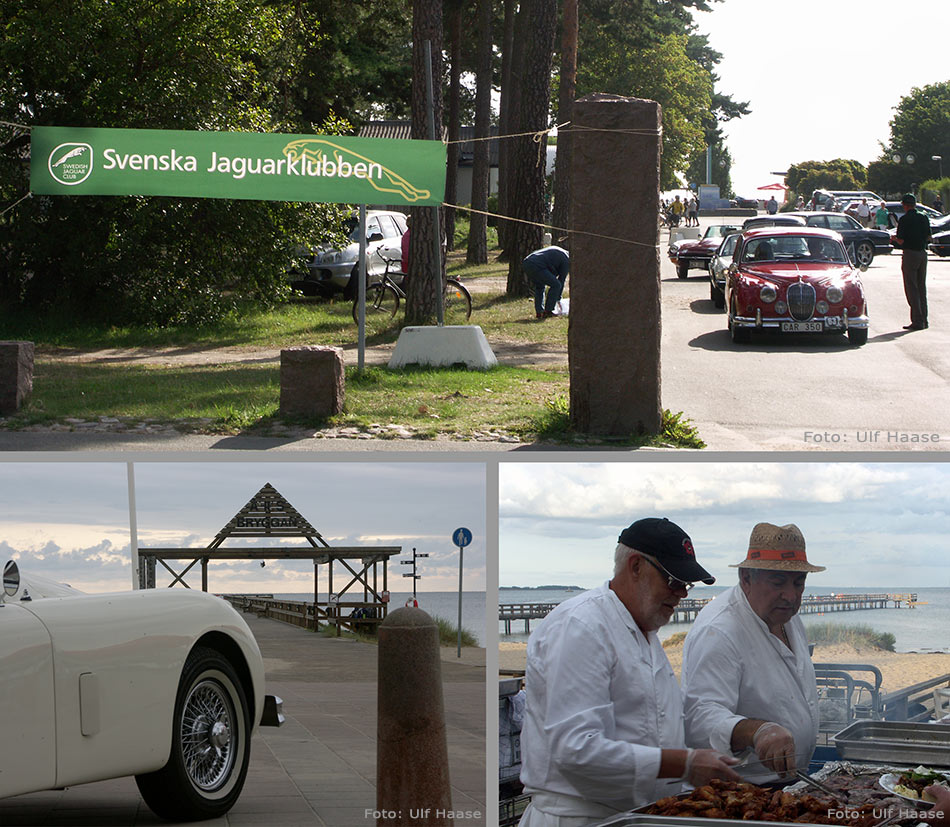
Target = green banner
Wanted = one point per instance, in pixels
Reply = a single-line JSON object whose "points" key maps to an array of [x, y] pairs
{"points": [[326, 168]]}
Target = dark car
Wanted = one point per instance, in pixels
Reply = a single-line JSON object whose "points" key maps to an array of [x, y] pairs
{"points": [[940, 243], [794, 280], [695, 254], [746, 203], [862, 243]]}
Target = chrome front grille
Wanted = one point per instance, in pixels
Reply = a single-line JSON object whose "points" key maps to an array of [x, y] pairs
{"points": [[801, 301]]}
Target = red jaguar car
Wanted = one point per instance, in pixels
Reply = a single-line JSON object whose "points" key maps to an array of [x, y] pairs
{"points": [[794, 280]]}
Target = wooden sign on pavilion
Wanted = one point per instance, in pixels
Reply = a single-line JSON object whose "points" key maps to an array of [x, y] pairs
{"points": [[268, 515]]}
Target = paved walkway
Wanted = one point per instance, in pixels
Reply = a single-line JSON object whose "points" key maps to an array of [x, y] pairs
{"points": [[319, 769]]}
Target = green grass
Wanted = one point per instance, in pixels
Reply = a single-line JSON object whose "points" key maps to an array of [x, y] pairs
{"points": [[528, 403], [449, 633], [861, 637]]}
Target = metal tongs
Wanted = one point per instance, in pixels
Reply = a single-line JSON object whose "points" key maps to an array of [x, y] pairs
{"points": [[814, 782]]}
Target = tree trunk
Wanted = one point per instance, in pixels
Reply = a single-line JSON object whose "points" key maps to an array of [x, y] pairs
{"points": [[528, 157], [510, 54], [455, 91], [477, 252], [426, 272], [565, 106]]}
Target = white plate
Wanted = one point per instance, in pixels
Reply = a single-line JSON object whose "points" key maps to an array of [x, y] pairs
{"points": [[890, 780]]}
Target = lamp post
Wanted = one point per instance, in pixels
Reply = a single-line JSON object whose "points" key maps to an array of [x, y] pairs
{"points": [[909, 159]]}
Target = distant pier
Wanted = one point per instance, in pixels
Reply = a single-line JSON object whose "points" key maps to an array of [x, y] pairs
{"points": [[689, 607]]}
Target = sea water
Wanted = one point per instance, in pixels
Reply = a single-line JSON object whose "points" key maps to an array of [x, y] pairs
{"points": [[925, 628], [441, 604]]}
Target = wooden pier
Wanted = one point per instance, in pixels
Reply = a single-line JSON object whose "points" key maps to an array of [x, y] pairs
{"points": [[689, 607], [522, 611]]}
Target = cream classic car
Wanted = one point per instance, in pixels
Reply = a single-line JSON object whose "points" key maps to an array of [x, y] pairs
{"points": [[166, 685]]}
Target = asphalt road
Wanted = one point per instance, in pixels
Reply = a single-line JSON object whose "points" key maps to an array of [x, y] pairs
{"points": [[812, 392]]}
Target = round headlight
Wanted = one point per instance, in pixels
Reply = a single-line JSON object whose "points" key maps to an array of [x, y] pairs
{"points": [[768, 294], [781, 308], [822, 307], [834, 294]]}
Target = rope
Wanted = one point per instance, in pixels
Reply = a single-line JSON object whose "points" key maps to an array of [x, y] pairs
{"points": [[28, 195], [15, 125], [552, 227]]}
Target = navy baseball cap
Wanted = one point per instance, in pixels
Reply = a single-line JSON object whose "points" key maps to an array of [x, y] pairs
{"points": [[669, 545], [909, 199]]}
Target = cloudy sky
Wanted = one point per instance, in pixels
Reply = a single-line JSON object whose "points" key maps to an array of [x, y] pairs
{"points": [[880, 524], [821, 77], [70, 521]]}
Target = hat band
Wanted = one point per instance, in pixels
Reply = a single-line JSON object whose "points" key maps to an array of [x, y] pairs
{"points": [[777, 554]]}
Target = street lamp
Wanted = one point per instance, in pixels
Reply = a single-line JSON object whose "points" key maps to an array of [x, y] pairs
{"points": [[939, 160]]}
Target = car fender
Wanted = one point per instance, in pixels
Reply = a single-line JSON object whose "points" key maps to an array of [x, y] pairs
{"points": [[117, 660]]}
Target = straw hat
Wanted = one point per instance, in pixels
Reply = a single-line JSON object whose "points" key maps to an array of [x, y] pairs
{"points": [[780, 548]]}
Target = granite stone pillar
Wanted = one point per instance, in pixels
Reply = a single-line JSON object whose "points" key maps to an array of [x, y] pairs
{"points": [[412, 759], [614, 328], [312, 381], [16, 375]]}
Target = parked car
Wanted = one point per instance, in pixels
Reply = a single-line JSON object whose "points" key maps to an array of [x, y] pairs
{"points": [[719, 265], [828, 199], [940, 244], [782, 220], [166, 685], [745, 203], [863, 243], [794, 280], [694, 254], [896, 210], [329, 271]]}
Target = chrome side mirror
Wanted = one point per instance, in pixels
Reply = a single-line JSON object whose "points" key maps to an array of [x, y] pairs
{"points": [[11, 578]]}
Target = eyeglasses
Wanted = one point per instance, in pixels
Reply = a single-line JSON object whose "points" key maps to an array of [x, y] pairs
{"points": [[672, 582]]}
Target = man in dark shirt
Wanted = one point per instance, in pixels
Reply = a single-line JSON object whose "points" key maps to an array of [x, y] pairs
{"points": [[913, 235], [547, 267]]}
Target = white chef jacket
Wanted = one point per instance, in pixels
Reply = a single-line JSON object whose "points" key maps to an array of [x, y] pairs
{"points": [[734, 668], [601, 701]]}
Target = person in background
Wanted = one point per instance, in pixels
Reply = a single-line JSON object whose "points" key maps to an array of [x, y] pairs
{"points": [[771, 206], [882, 218], [799, 203], [863, 212], [603, 726], [547, 268], [677, 208], [938, 203], [912, 236], [748, 679]]}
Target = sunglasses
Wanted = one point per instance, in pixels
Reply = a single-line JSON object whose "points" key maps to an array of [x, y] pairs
{"points": [[673, 583]]}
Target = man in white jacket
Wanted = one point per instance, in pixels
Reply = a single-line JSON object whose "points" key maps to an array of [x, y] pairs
{"points": [[747, 676], [603, 730]]}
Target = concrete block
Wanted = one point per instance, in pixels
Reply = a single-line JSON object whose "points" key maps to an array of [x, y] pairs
{"points": [[312, 381], [443, 347], [16, 375]]}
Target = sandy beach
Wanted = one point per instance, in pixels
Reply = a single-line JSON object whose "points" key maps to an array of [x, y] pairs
{"points": [[898, 669]]}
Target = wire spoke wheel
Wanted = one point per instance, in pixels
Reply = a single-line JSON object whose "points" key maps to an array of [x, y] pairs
{"points": [[382, 302], [458, 303], [206, 725]]}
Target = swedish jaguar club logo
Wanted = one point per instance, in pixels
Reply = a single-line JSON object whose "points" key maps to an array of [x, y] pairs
{"points": [[688, 547], [71, 163]]}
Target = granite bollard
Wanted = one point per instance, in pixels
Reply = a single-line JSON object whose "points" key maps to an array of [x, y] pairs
{"points": [[412, 760], [16, 375], [312, 381], [614, 327]]}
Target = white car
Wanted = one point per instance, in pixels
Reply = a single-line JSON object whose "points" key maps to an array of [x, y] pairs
{"points": [[330, 270], [166, 685]]}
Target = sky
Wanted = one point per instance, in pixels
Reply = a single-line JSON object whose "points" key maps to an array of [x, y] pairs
{"points": [[69, 521], [822, 78], [870, 524]]}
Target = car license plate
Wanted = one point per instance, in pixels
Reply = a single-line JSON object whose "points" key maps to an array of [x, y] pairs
{"points": [[697, 264], [802, 327]]}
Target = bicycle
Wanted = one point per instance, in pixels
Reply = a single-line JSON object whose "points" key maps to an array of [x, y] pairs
{"points": [[382, 300]]}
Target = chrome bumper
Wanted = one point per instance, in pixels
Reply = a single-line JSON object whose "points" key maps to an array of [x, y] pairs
{"points": [[839, 324]]}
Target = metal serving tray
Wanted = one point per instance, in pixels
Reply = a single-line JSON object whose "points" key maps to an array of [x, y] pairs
{"points": [[645, 820], [895, 742]]}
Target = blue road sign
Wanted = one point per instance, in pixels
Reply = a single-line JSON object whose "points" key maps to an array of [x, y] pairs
{"points": [[461, 537]]}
